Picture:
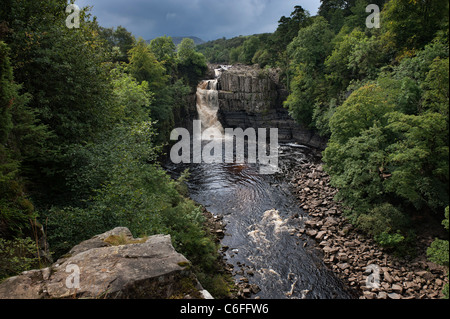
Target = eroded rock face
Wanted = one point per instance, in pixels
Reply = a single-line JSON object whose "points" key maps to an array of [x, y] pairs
{"points": [[252, 97], [111, 265]]}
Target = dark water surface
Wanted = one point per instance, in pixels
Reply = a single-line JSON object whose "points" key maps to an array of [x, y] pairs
{"points": [[262, 215]]}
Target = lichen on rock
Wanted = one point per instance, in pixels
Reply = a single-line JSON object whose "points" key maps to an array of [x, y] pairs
{"points": [[111, 265]]}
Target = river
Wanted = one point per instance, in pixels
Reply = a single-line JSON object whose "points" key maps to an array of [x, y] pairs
{"points": [[262, 218]]}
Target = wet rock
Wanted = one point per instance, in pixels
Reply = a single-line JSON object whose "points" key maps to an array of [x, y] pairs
{"points": [[343, 266], [394, 296], [382, 295], [348, 252], [247, 292], [397, 288], [311, 232], [320, 235]]}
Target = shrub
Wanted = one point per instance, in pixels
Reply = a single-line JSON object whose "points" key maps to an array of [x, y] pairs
{"points": [[438, 252], [16, 256], [382, 220]]}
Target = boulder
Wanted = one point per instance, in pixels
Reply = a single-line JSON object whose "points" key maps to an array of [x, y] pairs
{"points": [[111, 265]]}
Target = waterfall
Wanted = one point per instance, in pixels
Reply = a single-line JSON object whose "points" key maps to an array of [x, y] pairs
{"points": [[208, 104]]}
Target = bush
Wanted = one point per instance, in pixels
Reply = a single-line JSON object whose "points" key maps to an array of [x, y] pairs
{"points": [[382, 220], [389, 227], [16, 256], [438, 252], [390, 240]]}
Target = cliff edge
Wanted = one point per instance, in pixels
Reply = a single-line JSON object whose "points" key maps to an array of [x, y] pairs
{"points": [[112, 265], [253, 97]]}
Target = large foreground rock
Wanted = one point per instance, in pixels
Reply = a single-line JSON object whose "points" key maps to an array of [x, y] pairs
{"points": [[111, 265]]}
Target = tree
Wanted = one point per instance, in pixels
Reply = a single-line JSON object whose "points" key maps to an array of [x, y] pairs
{"points": [[249, 48], [334, 12], [357, 18], [436, 95], [413, 23], [144, 66], [308, 52], [288, 28], [355, 166], [340, 73], [418, 157], [191, 64], [119, 41], [165, 52], [21, 139], [234, 54]]}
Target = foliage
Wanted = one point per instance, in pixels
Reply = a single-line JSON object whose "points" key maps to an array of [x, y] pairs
{"points": [[165, 52], [355, 169], [84, 114], [191, 64], [118, 41], [419, 159], [21, 137], [412, 24], [84, 130], [16, 256], [385, 223], [144, 66], [308, 52], [438, 251]]}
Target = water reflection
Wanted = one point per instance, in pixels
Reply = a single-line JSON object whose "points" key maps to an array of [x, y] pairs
{"points": [[261, 228]]}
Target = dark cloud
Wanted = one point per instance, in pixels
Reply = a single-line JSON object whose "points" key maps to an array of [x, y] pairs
{"points": [[206, 19]]}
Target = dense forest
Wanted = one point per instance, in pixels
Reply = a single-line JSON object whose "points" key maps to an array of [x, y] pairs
{"points": [[85, 114]]}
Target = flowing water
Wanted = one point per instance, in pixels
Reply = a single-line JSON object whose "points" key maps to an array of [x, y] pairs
{"points": [[262, 217]]}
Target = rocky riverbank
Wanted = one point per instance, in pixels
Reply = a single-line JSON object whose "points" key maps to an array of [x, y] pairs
{"points": [[368, 269], [241, 289]]}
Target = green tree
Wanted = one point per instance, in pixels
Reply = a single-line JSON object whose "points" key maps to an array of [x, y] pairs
{"points": [[436, 95], [308, 52], [119, 42], [144, 66], [191, 64], [21, 140], [355, 156], [413, 23], [235, 53], [249, 48], [438, 251], [334, 12], [340, 72], [419, 159], [165, 52]]}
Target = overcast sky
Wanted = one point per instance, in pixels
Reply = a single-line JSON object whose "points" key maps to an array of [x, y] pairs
{"points": [[206, 19]]}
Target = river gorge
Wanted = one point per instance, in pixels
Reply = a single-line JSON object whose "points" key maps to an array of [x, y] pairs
{"points": [[285, 236], [262, 216]]}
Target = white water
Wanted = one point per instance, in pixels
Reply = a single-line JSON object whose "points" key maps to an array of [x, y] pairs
{"points": [[208, 105]]}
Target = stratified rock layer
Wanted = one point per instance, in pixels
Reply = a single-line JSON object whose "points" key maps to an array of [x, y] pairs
{"points": [[251, 97]]}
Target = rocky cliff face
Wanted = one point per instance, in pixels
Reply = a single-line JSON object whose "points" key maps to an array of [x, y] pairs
{"points": [[111, 265], [251, 97]]}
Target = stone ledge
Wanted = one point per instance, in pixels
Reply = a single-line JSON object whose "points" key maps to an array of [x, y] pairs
{"points": [[129, 269]]}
